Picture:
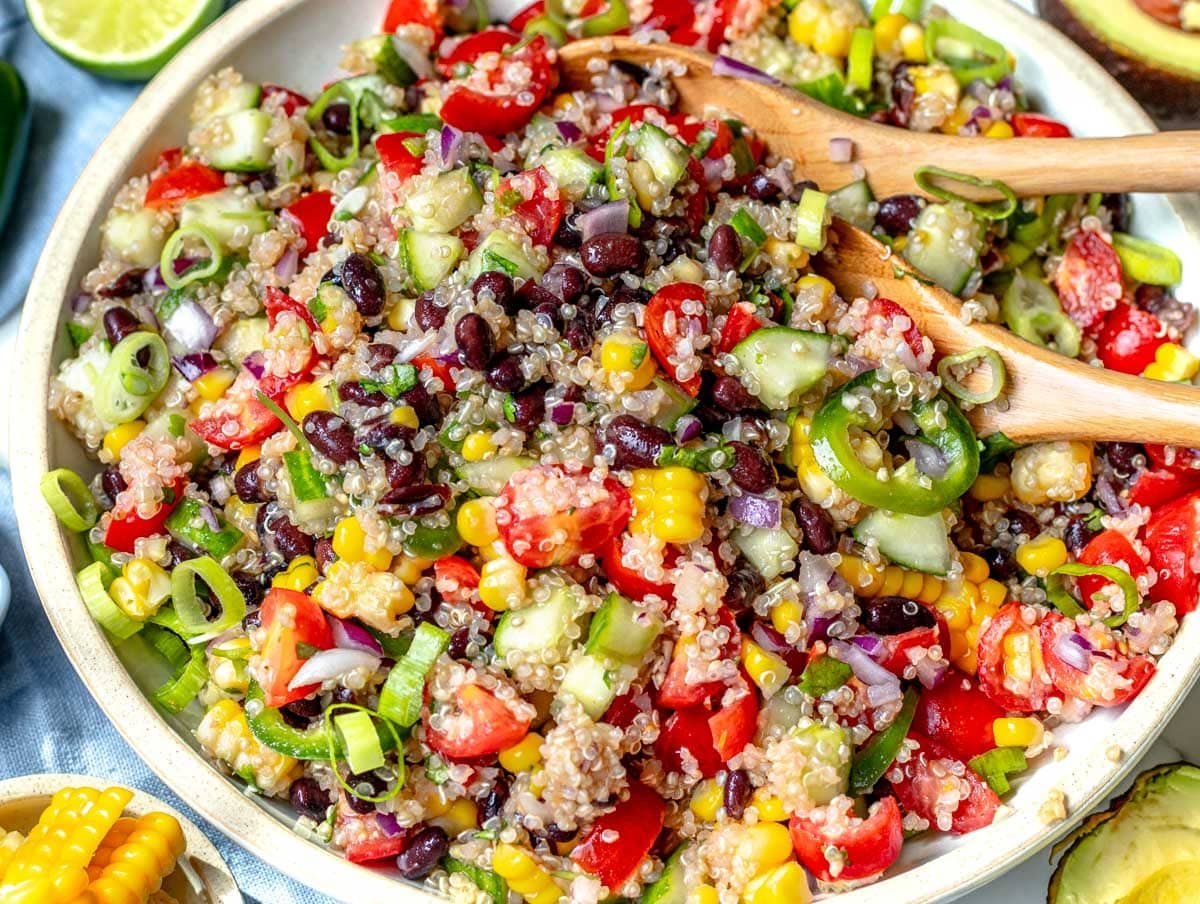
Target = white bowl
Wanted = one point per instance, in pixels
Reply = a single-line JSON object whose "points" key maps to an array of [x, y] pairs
{"points": [[297, 42]]}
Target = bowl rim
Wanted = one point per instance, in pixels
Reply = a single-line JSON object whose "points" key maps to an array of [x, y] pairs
{"points": [[979, 858]]}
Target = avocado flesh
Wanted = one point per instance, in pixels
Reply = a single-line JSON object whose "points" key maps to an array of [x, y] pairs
{"points": [[1158, 64], [1144, 850]]}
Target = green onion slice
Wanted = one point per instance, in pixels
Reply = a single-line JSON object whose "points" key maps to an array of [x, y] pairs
{"points": [[402, 695], [877, 755], [91, 583], [335, 724], [968, 363], [364, 753], [860, 65], [193, 622], [1146, 261], [70, 499], [998, 764], [1119, 576], [879, 9], [126, 387], [810, 220], [176, 694], [169, 645], [970, 54], [925, 176], [200, 270]]}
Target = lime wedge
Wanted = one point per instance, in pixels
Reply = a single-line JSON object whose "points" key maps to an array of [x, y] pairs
{"points": [[122, 39]]}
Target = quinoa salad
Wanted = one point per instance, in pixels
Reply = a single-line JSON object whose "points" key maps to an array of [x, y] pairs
{"points": [[494, 477]]}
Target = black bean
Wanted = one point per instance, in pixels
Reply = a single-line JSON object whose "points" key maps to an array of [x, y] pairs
{"points": [[751, 469], [1001, 563], [253, 620], [344, 695], [251, 587], [422, 853], [531, 296], [568, 235], [895, 615], [330, 435], [112, 482], [369, 780], [177, 552], [364, 284], [818, 530], [492, 803], [612, 253], [904, 94], [301, 712], [1077, 534], [624, 294], [336, 119], [742, 587], [412, 501], [129, 283], [323, 553], [568, 283], [309, 799], [425, 405], [380, 355], [1020, 522], [498, 285], [579, 333], [460, 640], [730, 394], [737, 793], [896, 214], [549, 313], [529, 407], [505, 374], [248, 485], [381, 433], [636, 443], [725, 248], [405, 475], [761, 187], [279, 535], [1118, 206], [428, 313], [354, 391], [475, 341], [1125, 458], [119, 323]]}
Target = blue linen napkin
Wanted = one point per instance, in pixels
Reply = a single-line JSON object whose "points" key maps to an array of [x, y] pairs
{"points": [[48, 721]]}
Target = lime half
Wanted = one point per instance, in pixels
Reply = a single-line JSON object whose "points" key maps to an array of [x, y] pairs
{"points": [[122, 39]]}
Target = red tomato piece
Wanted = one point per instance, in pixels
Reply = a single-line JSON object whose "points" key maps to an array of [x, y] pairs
{"points": [[1107, 548], [1173, 538], [414, 12], [1159, 486], [501, 99], [313, 212], [627, 707], [958, 716], [1021, 693], [632, 583], [670, 15], [1089, 279], [1036, 125], [438, 367], [635, 113], [528, 196], [550, 516], [237, 419], [367, 842], [123, 532], [695, 211], [170, 158], [289, 102], [676, 692], [1174, 458], [894, 655], [688, 729], [472, 47], [278, 303], [733, 724], [289, 618], [666, 322], [527, 15], [455, 578], [182, 183], [617, 842], [741, 321], [921, 789], [882, 312], [1129, 339], [481, 724], [397, 156], [870, 845], [1110, 679]]}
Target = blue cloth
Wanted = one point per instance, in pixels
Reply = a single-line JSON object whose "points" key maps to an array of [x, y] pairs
{"points": [[48, 721]]}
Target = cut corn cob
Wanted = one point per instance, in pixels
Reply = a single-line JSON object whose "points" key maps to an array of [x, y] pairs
{"points": [[669, 503], [138, 863]]}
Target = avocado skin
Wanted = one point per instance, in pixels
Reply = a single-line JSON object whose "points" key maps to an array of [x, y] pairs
{"points": [[1100, 862], [1172, 98]]}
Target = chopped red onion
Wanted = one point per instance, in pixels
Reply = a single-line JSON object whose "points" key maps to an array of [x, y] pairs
{"points": [[980, 90], [728, 67], [1110, 500], [714, 171], [881, 694], [569, 131], [981, 112], [255, 363], [871, 644], [612, 217], [772, 641], [221, 638], [818, 625], [152, 280], [687, 428], [350, 635], [1068, 648], [1005, 84], [286, 216], [451, 146], [563, 413], [929, 459], [327, 664], [210, 518], [218, 488], [931, 672], [856, 364], [80, 302], [286, 266], [756, 511], [193, 367], [866, 669], [191, 326], [388, 823], [841, 150]]}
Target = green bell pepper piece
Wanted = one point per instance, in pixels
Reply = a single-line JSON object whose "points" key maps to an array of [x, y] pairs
{"points": [[15, 118], [878, 754], [187, 525], [303, 744]]}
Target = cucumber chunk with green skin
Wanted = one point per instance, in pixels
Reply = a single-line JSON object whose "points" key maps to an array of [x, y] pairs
{"points": [[243, 338], [590, 680], [920, 542], [540, 626], [173, 423], [934, 249], [671, 887], [621, 630], [853, 204], [489, 477], [500, 251], [573, 170], [429, 257], [448, 202], [188, 525], [783, 363], [133, 236], [666, 155], [678, 404], [230, 99], [770, 550], [381, 50], [223, 214], [238, 142]]}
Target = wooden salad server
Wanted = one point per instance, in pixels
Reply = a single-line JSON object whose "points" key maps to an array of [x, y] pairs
{"points": [[1047, 396]]}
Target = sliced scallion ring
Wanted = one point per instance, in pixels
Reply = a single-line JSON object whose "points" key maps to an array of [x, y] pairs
{"points": [[1146, 261], [176, 694], [1068, 605], [968, 364], [198, 271], [194, 624], [70, 499], [998, 764], [331, 740], [126, 386], [811, 219], [91, 583], [925, 176], [364, 753]]}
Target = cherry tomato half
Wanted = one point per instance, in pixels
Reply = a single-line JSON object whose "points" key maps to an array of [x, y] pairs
{"points": [[664, 332], [921, 789], [533, 200], [1110, 678], [237, 419], [869, 845], [1173, 538], [1028, 688], [958, 715], [1089, 279], [501, 99], [184, 182], [466, 51], [617, 842], [290, 619], [480, 725], [1035, 125], [1129, 339]]}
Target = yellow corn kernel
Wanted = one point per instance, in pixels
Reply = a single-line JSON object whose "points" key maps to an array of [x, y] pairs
{"points": [[785, 615], [912, 43], [864, 578], [141, 589], [247, 455], [119, 436], [893, 580], [1021, 655], [707, 800], [524, 874], [975, 569], [958, 645], [350, 543], [405, 416], [9, 843], [410, 568], [936, 79], [704, 894], [989, 487], [300, 574], [969, 660], [669, 503], [1042, 555], [494, 550], [785, 884], [1014, 732], [832, 36], [624, 354], [912, 585], [784, 255], [502, 583], [765, 844], [931, 588], [992, 594], [461, 816], [955, 121], [802, 21], [523, 755], [212, 385], [1172, 363], [956, 607], [887, 33], [476, 521], [817, 286], [769, 807], [999, 129], [813, 481], [305, 398], [478, 446], [537, 781]]}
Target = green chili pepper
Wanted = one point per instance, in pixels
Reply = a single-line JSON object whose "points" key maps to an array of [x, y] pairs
{"points": [[822, 675], [906, 490], [353, 92], [188, 525], [877, 755], [434, 542], [1146, 261], [970, 54], [1067, 604], [310, 743], [15, 118], [925, 175], [974, 357], [996, 447], [412, 122], [485, 880], [704, 459], [998, 764], [1033, 312], [126, 386], [548, 28]]}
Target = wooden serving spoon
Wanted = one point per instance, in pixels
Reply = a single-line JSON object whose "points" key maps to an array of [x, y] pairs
{"points": [[1048, 396], [800, 128]]}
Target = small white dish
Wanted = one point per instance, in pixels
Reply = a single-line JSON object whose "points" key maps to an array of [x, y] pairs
{"points": [[5, 593]]}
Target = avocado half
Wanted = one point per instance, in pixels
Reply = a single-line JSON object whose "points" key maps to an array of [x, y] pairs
{"points": [[1145, 849], [1159, 63]]}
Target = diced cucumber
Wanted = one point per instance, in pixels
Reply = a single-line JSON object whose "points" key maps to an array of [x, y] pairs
{"points": [[231, 99], [771, 550], [666, 155], [589, 680], [784, 363], [81, 374], [240, 143], [573, 170], [671, 887], [621, 630], [429, 257], [934, 249], [381, 50], [243, 337], [489, 477], [920, 542], [173, 423], [133, 236], [450, 200], [539, 626], [853, 204], [500, 251], [678, 404], [224, 213]]}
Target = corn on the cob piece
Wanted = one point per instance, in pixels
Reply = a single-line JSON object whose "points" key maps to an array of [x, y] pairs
{"points": [[669, 503], [9, 843], [139, 861], [525, 875]]}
